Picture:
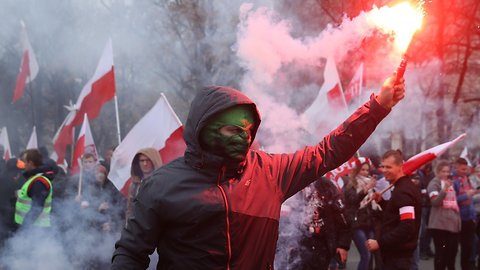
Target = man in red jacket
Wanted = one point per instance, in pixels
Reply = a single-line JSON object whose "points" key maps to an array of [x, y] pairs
{"points": [[218, 206]]}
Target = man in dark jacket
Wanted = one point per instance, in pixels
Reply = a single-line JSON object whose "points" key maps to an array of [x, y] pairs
{"points": [[401, 217], [328, 234], [8, 187], [218, 206]]}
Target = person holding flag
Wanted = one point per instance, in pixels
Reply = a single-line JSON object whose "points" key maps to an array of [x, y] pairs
{"points": [[218, 206], [401, 216]]}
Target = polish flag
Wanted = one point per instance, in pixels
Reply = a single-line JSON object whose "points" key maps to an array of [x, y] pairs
{"points": [[96, 92], [329, 108], [29, 65], [346, 168], [85, 144], [464, 155], [415, 162], [161, 129], [354, 89], [32, 142], [7, 154], [62, 138], [406, 212]]}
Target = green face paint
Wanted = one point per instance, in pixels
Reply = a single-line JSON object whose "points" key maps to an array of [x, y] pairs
{"points": [[228, 134]]}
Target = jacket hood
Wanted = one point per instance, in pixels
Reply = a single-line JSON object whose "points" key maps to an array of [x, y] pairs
{"points": [[208, 102], [152, 154]]}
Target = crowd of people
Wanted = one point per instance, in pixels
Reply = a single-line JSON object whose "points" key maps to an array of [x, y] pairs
{"points": [[219, 206], [443, 227], [40, 200]]}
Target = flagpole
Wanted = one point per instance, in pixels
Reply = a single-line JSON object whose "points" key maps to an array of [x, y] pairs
{"points": [[72, 147], [118, 119], [171, 109]]}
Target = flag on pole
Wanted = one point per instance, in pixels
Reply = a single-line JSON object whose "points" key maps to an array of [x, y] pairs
{"points": [[161, 129], [354, 89], [32, 142], [7, 154], [329, 108], [28, 68], [62, 138], [415, 162], [96, 92], [85, 144], [347, 167]]}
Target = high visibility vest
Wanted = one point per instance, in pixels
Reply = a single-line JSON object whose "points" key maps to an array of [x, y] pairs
{"points": [[24, 204]]}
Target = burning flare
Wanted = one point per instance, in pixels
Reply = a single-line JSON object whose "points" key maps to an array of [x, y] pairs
{"points": [[401, 20]]}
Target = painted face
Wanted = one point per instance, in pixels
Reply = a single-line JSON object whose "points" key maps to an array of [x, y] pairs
{"points": [[146, 165], [229, 133], [391, 170]]}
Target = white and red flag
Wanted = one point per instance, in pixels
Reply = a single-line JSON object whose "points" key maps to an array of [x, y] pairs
{"points": [[161, 129], [354, 89], [7, 154], [96, 92], [415, 162], [346, 167], [464, 155], [33, 142], [85, 144], [28, 68], [329, 107], [62, 138]]}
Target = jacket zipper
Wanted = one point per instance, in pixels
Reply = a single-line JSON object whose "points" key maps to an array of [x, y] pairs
{"points": [[227, 221]]}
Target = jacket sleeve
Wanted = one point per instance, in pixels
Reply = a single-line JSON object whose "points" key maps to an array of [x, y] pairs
{"points": [[344, 232], [39, 193], [435, 193], [396, 236], [295, 171], [140, 235]]}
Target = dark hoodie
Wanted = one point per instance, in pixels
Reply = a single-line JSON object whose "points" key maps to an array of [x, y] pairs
{"points": [[8, 186], [201, 212]]}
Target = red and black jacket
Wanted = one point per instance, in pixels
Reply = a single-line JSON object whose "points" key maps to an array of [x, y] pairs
{"points": [[200, 212]]}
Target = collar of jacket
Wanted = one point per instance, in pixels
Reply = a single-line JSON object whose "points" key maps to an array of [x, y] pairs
{"points": [[207, 161]]}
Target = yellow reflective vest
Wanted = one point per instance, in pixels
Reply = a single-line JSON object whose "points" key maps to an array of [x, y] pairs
{"points": [[24, 204]]}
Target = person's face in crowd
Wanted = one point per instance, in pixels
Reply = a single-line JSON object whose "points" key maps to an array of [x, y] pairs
{"points": [[461, 169], [444, 172], [391, 170], [89, 164], [146, 165], [365, 170], [229, 134], [100, 177]]}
